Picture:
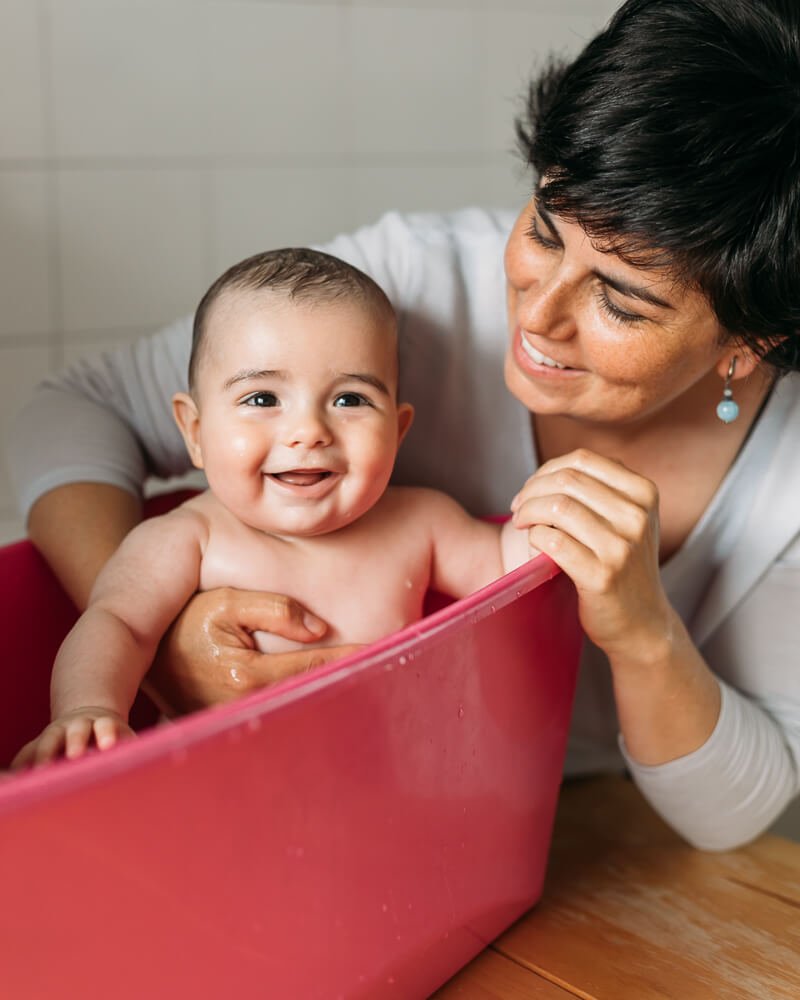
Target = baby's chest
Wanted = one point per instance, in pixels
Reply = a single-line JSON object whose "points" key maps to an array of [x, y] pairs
{"points": [[361, 594]]}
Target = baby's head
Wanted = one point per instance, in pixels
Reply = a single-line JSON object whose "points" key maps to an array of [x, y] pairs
{"points": [[292, 406]]}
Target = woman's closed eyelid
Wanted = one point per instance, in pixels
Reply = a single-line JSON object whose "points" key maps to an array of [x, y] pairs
{"points": [[550, 240]]}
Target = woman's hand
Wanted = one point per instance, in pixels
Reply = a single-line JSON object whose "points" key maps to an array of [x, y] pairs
{"points": [[599, 522], [209, 655]]}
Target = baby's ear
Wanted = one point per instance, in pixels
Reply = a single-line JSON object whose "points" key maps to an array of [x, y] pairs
{"points": [[187, 417], [405, 418]]}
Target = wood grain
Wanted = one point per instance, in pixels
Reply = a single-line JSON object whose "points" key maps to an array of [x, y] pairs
{"points": [[492, 976], [630, 912]]}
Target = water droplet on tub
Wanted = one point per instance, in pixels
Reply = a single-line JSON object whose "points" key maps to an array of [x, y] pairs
{"points": [[493, 609], [402, 660], [461, 711]]}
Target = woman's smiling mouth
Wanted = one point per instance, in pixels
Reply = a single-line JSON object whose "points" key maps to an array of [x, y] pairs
{"points": [[538, 357]]}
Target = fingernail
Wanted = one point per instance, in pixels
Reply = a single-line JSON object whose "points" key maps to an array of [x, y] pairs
{"points": [[313, 624]]}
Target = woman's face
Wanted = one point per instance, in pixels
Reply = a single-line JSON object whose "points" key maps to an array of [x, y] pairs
{"points": [[597, 339]]}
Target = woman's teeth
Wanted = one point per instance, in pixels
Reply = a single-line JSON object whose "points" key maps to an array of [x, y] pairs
{"points": [[538, 357]]}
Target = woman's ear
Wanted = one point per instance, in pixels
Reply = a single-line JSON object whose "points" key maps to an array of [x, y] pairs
{"points": [[747, 361], [405, 418], [187, 417]]}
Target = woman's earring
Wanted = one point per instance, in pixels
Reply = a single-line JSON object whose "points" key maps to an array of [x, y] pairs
{"points": [[727, 409]]}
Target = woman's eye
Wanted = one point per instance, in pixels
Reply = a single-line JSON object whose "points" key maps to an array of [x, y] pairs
{"points": [[617, 314], [350, 399], [261, 399], [536, 234]]}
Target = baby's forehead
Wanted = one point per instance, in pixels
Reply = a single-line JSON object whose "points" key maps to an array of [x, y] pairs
{"points": [[245, 320], [238, 304]]}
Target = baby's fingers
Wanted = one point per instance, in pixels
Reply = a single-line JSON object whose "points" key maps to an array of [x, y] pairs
{"points": [[77, 733], [109, 730]]}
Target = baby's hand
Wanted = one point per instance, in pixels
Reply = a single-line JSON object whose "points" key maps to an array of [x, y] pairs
{"points": [[70, 736]]}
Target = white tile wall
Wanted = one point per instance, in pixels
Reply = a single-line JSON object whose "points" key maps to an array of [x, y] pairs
{"points": [[134, 245], [26, 280], [21, 80], [147, 144]]}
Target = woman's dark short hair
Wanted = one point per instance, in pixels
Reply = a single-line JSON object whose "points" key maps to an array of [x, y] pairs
{"points": [[675, 138], [299, 273]]}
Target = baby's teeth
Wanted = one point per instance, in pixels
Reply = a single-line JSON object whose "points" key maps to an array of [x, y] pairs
{"points": [[538, 357]]}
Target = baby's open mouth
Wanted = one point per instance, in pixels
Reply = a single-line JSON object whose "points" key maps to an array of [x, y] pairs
{"points": [[301, 477]]}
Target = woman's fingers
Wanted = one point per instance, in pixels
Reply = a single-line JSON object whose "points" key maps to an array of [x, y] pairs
{"points": [[599, 522], [255, 611], [249, 670], [209, 654], [627, 501]]}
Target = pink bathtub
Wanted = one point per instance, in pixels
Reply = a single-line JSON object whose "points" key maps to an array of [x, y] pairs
{"points": [[361, 831]]}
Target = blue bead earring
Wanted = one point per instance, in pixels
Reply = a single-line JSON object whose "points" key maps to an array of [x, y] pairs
{"points": [[727, 409]]}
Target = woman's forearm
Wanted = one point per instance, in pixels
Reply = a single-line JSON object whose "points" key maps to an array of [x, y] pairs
{"points": [[668, 700], [734, 786], [77, 527]]}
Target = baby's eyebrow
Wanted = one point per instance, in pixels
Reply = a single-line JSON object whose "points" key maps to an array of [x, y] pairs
{"points": [[250, 374], [367, 379]]}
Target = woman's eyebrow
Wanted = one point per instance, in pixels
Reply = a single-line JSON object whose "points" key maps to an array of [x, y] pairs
{"points": [[634, 291], [623, 287]]}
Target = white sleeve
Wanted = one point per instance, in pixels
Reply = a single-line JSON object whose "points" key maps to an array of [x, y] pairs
{"points": [[107, 419], [729, 790]]}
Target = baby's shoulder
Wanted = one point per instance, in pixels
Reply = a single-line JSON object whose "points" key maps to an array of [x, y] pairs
{"points": [[421, 501]]}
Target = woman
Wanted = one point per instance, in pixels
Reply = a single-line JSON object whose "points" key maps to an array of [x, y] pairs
{"points": [[653, 301]]}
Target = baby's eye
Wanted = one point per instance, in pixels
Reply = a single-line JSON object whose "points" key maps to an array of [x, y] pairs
{"points": [[261, 399], [351, 399]]}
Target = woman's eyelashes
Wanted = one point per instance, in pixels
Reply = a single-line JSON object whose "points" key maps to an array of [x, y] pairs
{"points": [[552, 242], [547, 242], [614, 311]]}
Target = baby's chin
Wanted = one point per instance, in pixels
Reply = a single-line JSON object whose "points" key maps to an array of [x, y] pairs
{"points": [[303, 525]]}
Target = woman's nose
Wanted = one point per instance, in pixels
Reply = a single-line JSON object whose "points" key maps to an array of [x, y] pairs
{"points": [[546, 307]]}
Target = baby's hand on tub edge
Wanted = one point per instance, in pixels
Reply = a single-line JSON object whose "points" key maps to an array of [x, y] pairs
{"points": [[72, 734]]}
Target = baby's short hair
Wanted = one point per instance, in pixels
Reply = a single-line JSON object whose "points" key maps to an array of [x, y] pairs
{"points": [[299, 273]]}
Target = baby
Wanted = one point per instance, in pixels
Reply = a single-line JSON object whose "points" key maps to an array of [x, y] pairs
{"points": [[292, 412]]}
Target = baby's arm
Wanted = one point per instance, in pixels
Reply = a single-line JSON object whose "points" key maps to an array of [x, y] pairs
{"points": [[469, 553], [102, 661]]}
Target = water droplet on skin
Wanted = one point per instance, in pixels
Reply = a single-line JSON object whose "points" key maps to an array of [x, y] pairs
{"points": [[234, 675], [409, 584]]}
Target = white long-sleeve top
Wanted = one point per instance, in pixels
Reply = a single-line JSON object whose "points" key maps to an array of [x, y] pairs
{"points": [[735, 582]]}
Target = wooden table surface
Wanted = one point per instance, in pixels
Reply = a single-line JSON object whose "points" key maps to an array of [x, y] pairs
{"points": [[630, 912]]}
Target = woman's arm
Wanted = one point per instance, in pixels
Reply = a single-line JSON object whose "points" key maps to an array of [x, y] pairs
{"points": [[599, 522], [77, 527], [717, 764]]}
